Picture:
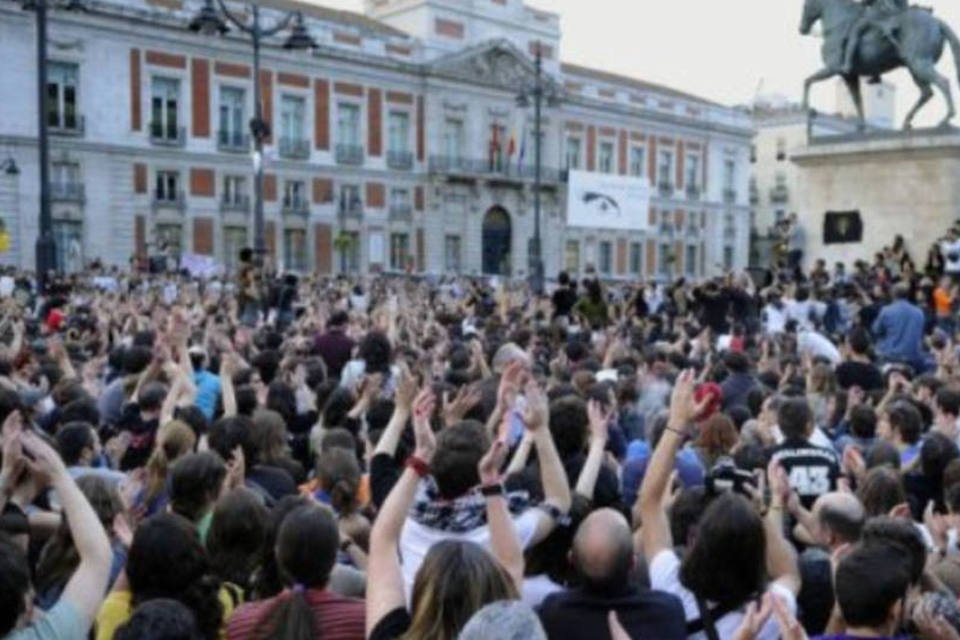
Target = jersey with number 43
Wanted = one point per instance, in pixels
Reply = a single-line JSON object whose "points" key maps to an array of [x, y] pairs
{"points": [[813, 471]]}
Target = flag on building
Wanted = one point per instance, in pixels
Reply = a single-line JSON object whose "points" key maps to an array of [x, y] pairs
{"points": [[523, 148]]}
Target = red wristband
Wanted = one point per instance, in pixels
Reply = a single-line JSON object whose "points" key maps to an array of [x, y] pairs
{"points": [[418, 465]]}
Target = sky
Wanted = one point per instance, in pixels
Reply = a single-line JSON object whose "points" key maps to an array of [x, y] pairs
{"points": [[723, 50]]}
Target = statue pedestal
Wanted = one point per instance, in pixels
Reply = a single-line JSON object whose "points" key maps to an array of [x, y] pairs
{"points": [[905, 183]]}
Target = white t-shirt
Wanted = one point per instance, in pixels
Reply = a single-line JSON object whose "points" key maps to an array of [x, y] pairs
{"points": [[774, 320], [7, 286], [818, 345], [665, 576], [537, 588], [951, 249], [416, 540]]}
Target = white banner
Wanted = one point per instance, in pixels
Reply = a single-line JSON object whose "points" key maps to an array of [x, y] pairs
{"points": [[604, 201]]}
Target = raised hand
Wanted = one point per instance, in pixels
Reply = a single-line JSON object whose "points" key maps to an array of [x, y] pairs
{"points": [[491, 463], [684, 409], [426, 441], [537, 412], [454, 410], [599, 421], [44, 462]]}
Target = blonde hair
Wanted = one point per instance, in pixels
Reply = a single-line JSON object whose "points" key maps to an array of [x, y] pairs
{"points": [[174, 439], [455, 581]]}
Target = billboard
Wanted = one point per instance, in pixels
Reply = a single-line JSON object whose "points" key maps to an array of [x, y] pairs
{"points": [[605, 201]]}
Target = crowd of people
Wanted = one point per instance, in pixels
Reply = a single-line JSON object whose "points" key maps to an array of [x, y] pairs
{"points": [[452, 458]]}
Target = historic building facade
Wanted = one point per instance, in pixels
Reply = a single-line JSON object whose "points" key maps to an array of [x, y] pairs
{"points": [[397, 145]]}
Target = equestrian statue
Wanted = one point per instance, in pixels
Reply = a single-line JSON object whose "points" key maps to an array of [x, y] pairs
{"points": [[873, 37]]}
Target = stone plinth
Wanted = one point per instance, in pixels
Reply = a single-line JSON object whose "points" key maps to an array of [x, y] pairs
{"points": [[905, 183]]}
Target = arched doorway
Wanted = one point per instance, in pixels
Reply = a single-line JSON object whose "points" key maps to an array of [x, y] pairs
{"points": [[497, 237]]}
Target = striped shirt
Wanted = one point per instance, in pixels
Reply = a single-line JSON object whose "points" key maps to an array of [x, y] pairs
{"points": [[339, 618]]}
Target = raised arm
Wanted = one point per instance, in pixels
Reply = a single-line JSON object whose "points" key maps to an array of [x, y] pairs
{"points": [[503, 536], [88, 585], [553, 477], [599, 432], [781, 557], [403, 401], [385, 591], [656, 526]]}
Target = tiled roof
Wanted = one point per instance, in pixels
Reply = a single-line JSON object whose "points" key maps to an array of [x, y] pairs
{"points": [[633, 83]]}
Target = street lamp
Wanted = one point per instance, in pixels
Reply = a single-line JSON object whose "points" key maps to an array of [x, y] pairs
{"points": [[46, 247], [212, 20], [539, 92]]}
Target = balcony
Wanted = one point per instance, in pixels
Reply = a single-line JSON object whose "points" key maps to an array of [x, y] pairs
{"points": [[68, 192], [400, 160], [295, 207], [693, 192], [236, 204], [349, 154], [665, 189], [730, 196], [401, 212], [299, 149], [351, 210], [233, 141], [493, 169], [169, 202], [67, 126], [163, 136], [779, 194]]}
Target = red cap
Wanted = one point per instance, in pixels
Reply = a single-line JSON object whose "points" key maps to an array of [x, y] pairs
{"points": [[712, 391], [54, 320]]}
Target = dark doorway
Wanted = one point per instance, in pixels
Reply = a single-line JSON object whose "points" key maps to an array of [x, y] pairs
{"points": [[496, 242]]}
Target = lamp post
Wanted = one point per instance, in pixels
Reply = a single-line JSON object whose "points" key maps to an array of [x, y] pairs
{"points": [[211, 20], [539, 91], [46, 246]]}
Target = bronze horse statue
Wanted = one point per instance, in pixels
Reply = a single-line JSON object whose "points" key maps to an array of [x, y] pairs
{"points": [[921, 37]]}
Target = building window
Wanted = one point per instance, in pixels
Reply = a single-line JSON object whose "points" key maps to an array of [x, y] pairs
{"points": [[605, 159], [234, 189], [692, 171], [399, 251], [348, 244], [690, 261], [295, 249], [169, 239], [232, 121], [571, 256], [62, 81], [348, 124], [606, 257], [167, 186], [292, 110], [451, 254], [294, 195], [665, 259], [164, 109], [399, 198], [781, 149], [665, 168], [234, 240], [69, 241], [350, 201], [728, 258], [729, 174], [64, 174], [573, 153], [636, 258], [398, 132], [638, 161], [453, 139], [779, 215]]}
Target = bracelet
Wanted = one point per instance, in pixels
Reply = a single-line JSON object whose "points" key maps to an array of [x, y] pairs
{"points": [[676, 431], [419, 466], [492, 490]]}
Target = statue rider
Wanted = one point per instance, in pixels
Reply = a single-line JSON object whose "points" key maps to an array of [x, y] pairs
{"points": [[879, 14]]}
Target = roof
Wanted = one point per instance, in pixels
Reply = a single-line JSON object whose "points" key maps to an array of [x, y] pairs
{"points": [[337, 16], [642, 85]]}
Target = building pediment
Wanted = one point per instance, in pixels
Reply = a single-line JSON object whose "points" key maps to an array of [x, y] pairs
{"points": [[496, 63]]}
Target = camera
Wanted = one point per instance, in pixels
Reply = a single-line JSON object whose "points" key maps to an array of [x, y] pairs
{"points": [[726, 477]]}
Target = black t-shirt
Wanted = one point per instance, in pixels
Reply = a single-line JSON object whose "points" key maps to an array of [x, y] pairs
{"points": [[580, 615], [815, 601], [563, 300], [143, 433], [391, 626], [859, 374], [274, 481], [812, 470]]}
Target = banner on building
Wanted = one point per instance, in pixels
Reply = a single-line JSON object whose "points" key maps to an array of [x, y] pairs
{"points": [[604, 201], [199, 266]]}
